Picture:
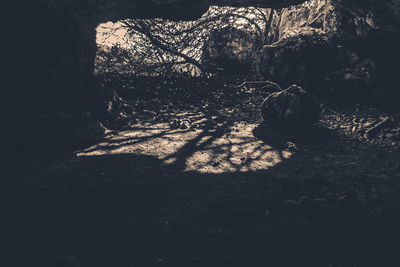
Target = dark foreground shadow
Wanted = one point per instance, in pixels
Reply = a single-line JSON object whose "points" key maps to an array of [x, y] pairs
{"points": [[126, 210]]}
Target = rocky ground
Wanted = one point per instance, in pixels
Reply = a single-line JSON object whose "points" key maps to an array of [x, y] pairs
{"points": [[195, 181]]}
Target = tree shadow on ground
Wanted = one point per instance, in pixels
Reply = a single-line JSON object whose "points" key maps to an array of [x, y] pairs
{"points": [[210, 144]]}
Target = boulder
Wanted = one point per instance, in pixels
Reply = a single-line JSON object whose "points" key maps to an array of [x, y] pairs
{"points": [[355, 82], [300, 59], [353, 44], [316, 14], [292, 109], [230, 49]]}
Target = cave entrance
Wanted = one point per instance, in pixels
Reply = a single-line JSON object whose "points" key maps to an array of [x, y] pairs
{"points": [[222, 38], [178, 79], [184, 83]]}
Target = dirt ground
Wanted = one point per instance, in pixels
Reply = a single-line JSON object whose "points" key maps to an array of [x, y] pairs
{"points": [[206, 185]]}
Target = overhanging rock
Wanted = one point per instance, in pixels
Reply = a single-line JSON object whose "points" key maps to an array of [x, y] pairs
{"points": [[51, 47]]}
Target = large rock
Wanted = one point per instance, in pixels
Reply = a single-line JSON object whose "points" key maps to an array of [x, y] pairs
{"points": [[301, 59], [313, 37], [348, 19], [354, 82], [55, 71], [51, 48], [316, 14], [231, 49], [292, 109]]}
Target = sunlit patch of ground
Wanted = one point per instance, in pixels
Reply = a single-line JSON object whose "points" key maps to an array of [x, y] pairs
{"points": [[206, 146], [236, 150]]}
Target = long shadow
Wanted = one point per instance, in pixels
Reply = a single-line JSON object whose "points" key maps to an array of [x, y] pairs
{"points": [[132, 210], [209, 130], [113, 144]]}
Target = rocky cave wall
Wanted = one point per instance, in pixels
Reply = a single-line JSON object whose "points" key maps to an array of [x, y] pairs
{"points": [[346, 50], [49, 50]]}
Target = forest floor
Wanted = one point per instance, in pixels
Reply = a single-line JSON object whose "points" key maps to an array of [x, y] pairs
{"points": [[194, 180]]}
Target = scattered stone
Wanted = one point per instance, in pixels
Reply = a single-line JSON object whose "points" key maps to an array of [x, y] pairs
{"points": [[291, 146], [180, 124], [185, 125]]}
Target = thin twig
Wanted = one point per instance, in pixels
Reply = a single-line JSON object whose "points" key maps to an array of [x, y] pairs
{"points": [[259, 82]]}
